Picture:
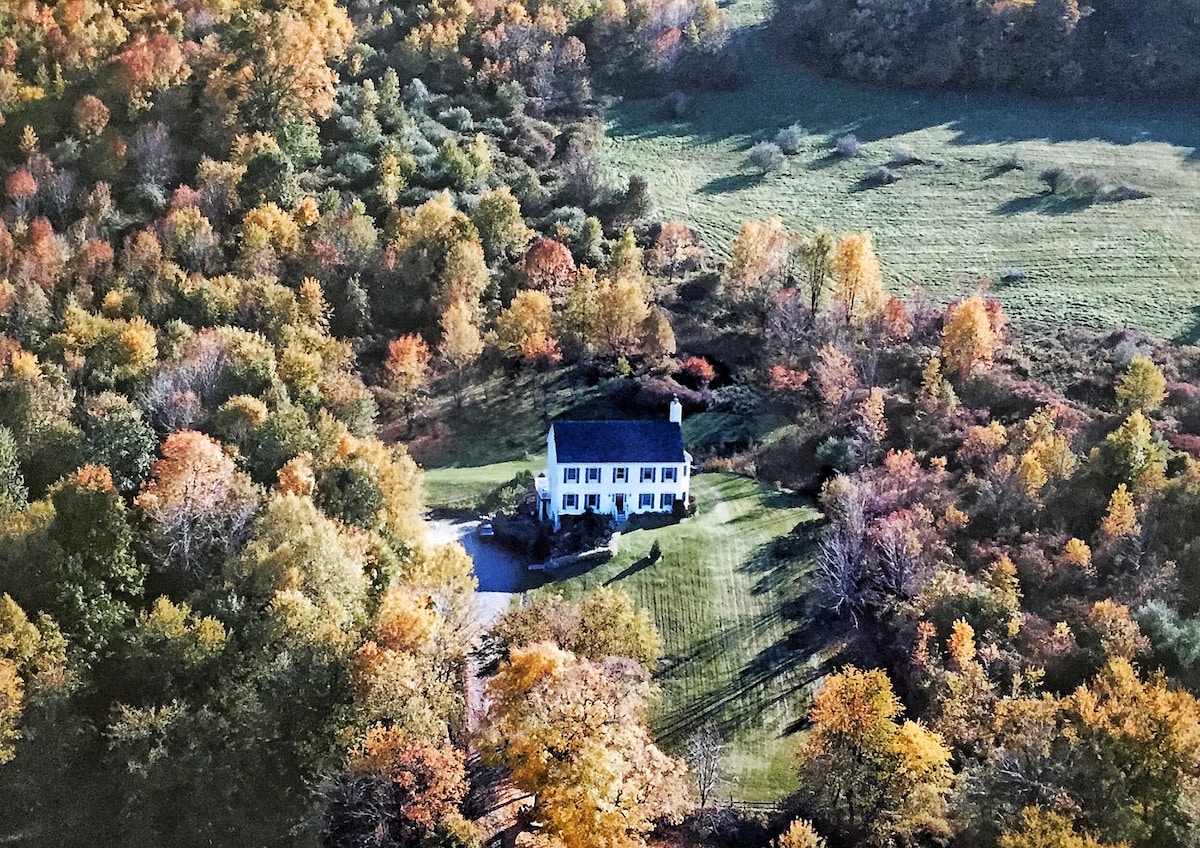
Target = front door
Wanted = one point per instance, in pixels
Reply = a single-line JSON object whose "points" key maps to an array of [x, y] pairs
{"points": [[619, 503]]}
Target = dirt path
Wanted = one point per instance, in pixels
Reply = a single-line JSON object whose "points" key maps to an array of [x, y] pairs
{"points": [[502, 577]]}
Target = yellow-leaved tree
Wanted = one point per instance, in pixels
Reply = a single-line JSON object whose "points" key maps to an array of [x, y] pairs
{"points": [[12, 693], [1045, 829], [799, 834], [279, 71], [868, 777], [758, 261], [526, 321], [573, 732], [461, 343], [859, 286], [1138, 744], [970, 336], [1133, 454], [1142, 386], [1120, 521]]}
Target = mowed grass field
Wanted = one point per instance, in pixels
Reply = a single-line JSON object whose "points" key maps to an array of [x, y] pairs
{"points": [[958, 216], [731, 597]]}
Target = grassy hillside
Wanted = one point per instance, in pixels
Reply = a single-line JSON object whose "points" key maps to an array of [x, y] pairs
{"points": [[958, 216], [463, 488], [495, 433], [729, 596]]}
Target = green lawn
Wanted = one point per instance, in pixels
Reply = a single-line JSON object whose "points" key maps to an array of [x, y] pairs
{"points": [[730, 601], [957, 217], [451, 487], [495, 433]]}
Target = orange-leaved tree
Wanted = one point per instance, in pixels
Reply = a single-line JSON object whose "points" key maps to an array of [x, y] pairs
{"points": [[397, 791], [549, 268], [198, 502], [407, 371]]}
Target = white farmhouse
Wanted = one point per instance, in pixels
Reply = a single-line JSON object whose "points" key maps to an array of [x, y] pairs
{"points": [[617, 468]]}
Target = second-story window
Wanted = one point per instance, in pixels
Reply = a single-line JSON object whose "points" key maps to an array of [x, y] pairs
{"points": [[621, 475], [570, 475], [647, 474], [669, 475], [593, 475]]}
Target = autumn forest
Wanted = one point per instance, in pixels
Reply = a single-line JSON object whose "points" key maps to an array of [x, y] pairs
{"points": [[258, 261]]}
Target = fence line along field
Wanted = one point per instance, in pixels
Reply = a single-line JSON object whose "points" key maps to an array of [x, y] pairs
{"points": [[970, 206]]}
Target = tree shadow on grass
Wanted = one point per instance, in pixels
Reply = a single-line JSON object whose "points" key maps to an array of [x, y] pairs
{"points": [[782, 560], [783, 88], [829, 160], [1000, 170], [775, 674], [869, 183], [785, 499], [1191, 334], [731, 182], [717, 644], [644, 562], [1041, 204]]}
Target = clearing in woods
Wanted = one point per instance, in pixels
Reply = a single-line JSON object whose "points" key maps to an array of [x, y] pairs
{"points": [[958, 214], [732, 594], [732, 597]]}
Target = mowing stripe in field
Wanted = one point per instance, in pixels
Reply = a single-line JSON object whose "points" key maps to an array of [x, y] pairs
{"points": [[738, 656]]}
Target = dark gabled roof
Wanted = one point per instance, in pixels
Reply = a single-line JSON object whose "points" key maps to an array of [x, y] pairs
{"points": [[618, 441]]}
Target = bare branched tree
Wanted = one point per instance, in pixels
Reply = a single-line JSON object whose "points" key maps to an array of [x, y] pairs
{"points": [[896, 561], [705, 754], [842, 562]]}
